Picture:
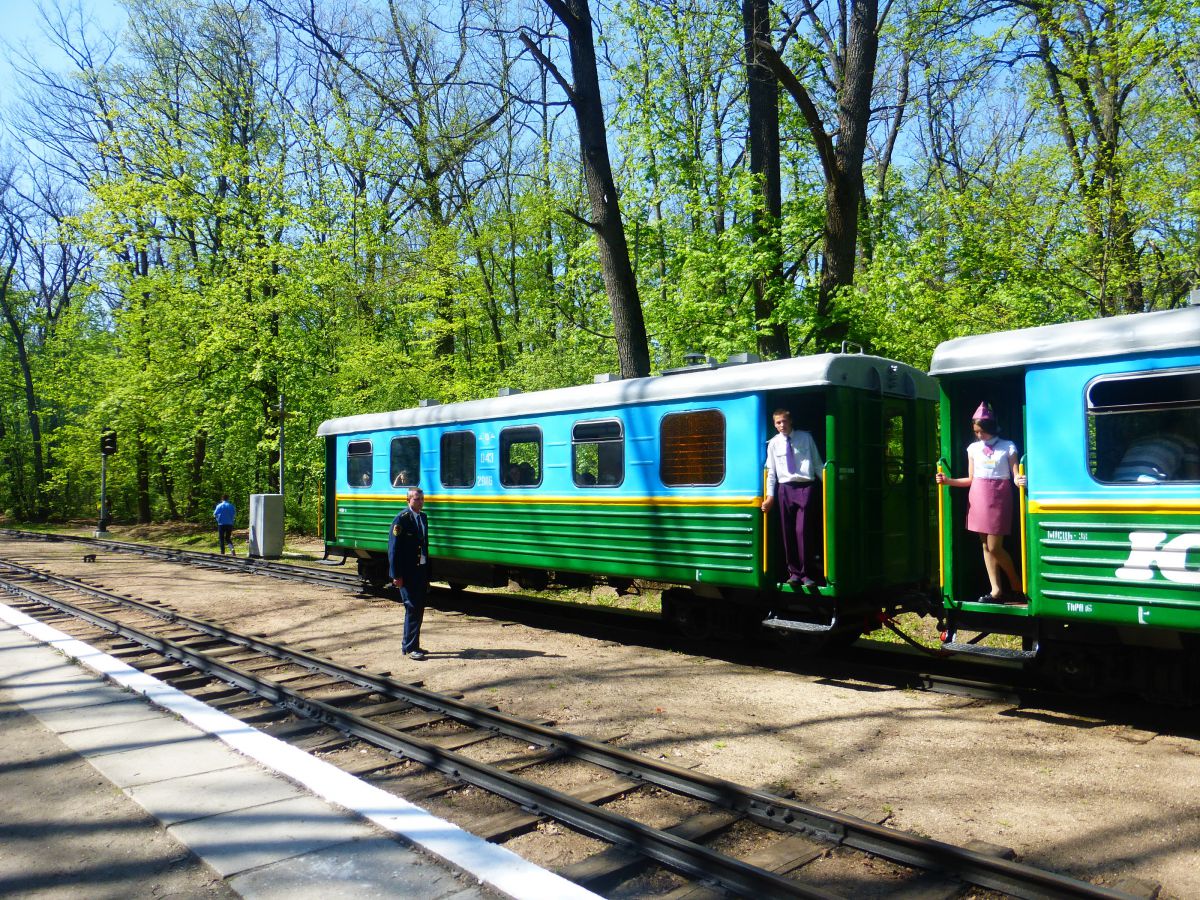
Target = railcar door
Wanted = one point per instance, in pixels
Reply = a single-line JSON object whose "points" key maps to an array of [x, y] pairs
{"points": [[808, 414], [896, 474], [1005, 391]]}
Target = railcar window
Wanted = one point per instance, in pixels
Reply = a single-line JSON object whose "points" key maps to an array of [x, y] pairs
{"points": [[458, 459], [406, 462], [360, 458], [598, 453], [692, 445], [521, 456], [1143, 428], [893, 450]]}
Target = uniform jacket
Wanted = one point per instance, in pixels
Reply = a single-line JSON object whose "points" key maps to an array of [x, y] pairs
{"points": [[406, 546]]}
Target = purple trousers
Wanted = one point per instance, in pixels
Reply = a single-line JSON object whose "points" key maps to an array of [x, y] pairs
{"points": [[801, 534]]}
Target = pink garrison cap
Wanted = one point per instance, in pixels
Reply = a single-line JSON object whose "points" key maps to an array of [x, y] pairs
{"points": [[984, 411]]}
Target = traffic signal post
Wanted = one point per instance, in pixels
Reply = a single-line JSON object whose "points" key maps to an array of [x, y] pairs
{"points": [[108, 446]]}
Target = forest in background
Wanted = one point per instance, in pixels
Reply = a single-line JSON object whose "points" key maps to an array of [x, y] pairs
{"points": [[236, 205]]}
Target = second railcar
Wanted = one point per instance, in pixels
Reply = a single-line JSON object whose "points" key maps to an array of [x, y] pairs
{"points": [[1107, 416], [658, 479]]}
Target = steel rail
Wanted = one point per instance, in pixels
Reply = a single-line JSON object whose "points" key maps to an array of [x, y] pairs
{"points": [[288, 571], [1014, 878], [692, 859]]}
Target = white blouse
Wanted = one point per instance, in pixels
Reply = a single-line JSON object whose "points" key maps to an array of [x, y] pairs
{"points": [[999, 463]]}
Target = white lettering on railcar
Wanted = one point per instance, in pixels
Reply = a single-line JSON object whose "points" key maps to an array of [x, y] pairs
{"points": [[485, 481], [1143, 616], [487, 457], [1079, 607], [1151, 548], [487, 438], [1069, 536]]}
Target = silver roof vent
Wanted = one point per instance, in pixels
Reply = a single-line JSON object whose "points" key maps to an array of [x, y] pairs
{"points": [[741, 359], [606, 377], [427, 402], [1194, 297], [508, 392], [694, 362]]}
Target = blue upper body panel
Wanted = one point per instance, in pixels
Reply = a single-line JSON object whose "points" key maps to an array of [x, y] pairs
{"points": [[745, 436], [1056, 429]]}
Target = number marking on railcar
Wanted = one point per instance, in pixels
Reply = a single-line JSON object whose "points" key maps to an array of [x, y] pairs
{"points": [[1069, 536]]}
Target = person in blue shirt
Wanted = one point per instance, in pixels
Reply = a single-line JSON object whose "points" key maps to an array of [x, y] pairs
{"points": [[224, 514]]}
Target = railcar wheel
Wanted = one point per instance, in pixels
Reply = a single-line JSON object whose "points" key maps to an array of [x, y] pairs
{"points": [[694, 621], [374, 576], [532, 579], [1074, 671], [690, 614]]}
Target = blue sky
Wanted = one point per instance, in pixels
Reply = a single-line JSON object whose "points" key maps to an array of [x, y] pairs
{"points": [[20, 28]]}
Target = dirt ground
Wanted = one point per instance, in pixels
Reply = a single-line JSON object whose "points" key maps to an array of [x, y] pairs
{"points": [[1079, 795]]}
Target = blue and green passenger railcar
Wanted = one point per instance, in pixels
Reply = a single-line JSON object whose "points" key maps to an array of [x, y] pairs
{"points": [[657, 479], [1106, 414]]}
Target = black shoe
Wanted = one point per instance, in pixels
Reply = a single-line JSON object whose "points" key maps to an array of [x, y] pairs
{"points": [[988, 598], [417, 655], [808, 582], [1016, 598], [794, 580]]}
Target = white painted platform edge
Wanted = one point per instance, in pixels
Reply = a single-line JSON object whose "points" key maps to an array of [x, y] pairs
{"points": [[495, 866]]}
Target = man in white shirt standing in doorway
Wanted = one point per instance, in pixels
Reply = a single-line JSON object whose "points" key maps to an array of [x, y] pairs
{"points": [[793, 470]]}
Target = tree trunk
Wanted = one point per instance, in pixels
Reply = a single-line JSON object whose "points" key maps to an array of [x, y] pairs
{"points": [[839, 256], [841, 161], [199, 451], [142, 458], [763, 98], [629, 327]]}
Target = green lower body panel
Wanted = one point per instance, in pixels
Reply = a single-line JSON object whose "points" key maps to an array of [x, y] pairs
{"points": [[1140, 570], [718, 544]]}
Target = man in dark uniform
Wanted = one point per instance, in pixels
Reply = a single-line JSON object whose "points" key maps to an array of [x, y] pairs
{"points": [[408, 566]]}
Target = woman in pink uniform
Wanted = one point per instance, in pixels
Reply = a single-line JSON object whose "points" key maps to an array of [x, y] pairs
{"points": [[992, 464]]}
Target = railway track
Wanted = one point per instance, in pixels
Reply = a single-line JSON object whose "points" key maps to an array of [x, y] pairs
{"points": [[883, 664], [384, 726], [872, 662]]}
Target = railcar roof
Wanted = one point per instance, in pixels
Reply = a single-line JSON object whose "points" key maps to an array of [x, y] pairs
{"points": [[829, 369], [1171, 329]]}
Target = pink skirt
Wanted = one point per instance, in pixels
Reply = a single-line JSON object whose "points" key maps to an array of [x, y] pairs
{"points": [[990, 506]]}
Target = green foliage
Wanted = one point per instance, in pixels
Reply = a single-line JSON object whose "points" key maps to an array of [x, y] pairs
{"points": [[356, 233]]}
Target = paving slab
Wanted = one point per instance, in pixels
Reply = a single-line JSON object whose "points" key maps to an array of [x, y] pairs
{"points": [[161, 732], [163, 760], [122, 712], [68, 834], [36, 674], [359, 870], [245, 839], [211, 793]]}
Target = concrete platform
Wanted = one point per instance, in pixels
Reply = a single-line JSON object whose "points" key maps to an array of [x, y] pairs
{"points": [[105, 794]]}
